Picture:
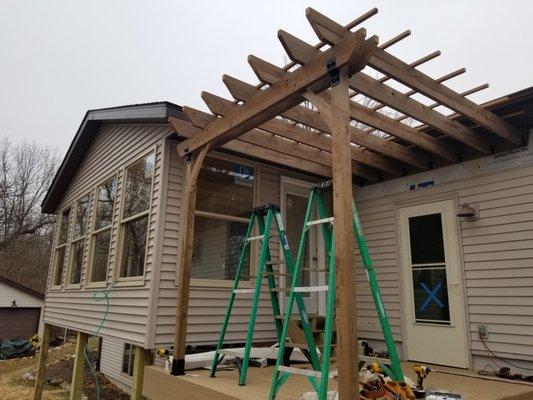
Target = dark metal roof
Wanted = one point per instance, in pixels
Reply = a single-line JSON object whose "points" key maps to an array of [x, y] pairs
{"points": [[157, 112], [21, 287]]}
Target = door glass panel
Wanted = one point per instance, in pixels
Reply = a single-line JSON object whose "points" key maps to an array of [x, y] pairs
{"points": [[427, 244], [428, 266], [431, 295], [295, 208]]}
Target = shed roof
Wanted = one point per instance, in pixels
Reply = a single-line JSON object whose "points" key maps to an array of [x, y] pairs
{"points": [[21, 287]]}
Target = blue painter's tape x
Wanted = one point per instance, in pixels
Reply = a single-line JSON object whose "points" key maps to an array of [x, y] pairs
{"points": [[432, 296]]}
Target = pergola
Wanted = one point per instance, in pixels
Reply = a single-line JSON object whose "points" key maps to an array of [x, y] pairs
{"points": [[337, 137]]}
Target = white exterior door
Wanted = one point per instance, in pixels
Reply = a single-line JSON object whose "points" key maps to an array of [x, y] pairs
{"points": [[435, 325], [294, 198]]}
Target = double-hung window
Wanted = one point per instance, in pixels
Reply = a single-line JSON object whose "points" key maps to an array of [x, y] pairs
{"points": [[101, 235], [61, 247], [135, 217], [77, 244], [225, 197]]}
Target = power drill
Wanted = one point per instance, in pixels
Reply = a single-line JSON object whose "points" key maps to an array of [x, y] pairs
{"points": [[422, 372]]}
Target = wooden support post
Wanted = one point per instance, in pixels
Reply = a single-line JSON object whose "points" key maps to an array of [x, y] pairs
{"points": [[41, 364], [183, 268], [76, 386], [141, 359], [344, 241]]}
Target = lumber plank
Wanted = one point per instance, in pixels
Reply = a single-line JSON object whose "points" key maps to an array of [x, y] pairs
{"points": [[300, 51], [330, 32], [183, 267], [76, 386], [220, 106], [243, 91], [345, 312], [301, 153], [41, 364], [141, 360], [279, 97]]}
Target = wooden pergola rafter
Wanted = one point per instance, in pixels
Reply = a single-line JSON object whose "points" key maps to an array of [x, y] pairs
{"points": [[272, 121]]}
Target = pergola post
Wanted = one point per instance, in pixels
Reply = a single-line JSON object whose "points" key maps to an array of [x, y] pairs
{"points": [[344, 241], [183, 267], [41, 364]]}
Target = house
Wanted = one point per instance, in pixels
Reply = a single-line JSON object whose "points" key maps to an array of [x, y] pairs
{"points": [[448, 218], [20, 310]]}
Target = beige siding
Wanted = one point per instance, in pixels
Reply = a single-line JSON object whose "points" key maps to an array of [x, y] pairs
{"points": [[114, 147], [111, 360], [9, 293], [207, 304], [497, 253]]}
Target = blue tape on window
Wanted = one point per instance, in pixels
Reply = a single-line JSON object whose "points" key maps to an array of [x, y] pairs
{"points": [[432, 296]]}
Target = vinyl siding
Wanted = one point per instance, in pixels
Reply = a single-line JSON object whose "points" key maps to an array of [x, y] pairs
{"points": [[111, 360], [497, 253], [9, 293], [112, 150]]}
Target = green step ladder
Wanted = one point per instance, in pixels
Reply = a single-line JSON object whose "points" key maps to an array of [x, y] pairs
{"points": [[262, 219], [319, 375]]}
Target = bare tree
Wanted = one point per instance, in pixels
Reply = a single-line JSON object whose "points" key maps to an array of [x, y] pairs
{"points": [[27, 169]]}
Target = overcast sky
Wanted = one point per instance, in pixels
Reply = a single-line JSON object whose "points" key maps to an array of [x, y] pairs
{"points": [[60, 58]]}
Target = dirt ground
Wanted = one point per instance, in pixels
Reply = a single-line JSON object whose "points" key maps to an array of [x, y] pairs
{"points": [[59, 368]]}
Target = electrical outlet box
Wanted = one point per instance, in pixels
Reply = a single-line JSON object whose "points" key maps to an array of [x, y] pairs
{"points": [[483, 331]]}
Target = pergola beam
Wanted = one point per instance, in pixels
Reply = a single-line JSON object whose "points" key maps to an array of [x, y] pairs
{"points": [[319, 145], [243, 91], [288, 148], [331, 32], [302, 52], [282, 96]]}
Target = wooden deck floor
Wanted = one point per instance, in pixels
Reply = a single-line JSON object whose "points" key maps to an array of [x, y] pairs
{"points": [[159, 385]]}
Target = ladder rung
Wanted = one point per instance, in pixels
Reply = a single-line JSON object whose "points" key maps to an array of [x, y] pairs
{"points": [[275, 262], [260, 237], [321, 221], [306, 289], [244, 291]]}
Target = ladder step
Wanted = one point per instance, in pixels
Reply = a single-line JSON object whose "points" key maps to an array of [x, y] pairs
{"points": [[306, 289], [329, 220], [260, 237], [244, 291], [275, 262]]}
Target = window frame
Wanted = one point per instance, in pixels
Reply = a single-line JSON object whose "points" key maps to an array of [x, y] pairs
{"points": [[72, 240], [131, 360], [57, 246], [254, 250], [132, 280], [94, 232]]}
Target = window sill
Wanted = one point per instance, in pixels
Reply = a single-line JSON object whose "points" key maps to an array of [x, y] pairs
{"points": [[55, 288], [74, 286], [127, 282], [125, 375], [219, 283], [96, 285]]}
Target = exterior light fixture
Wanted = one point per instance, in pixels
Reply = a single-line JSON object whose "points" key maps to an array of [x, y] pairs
{"points": [[468, 211], [14, 303]]}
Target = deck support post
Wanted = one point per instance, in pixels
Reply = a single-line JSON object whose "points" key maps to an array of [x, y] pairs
{"points": [[41, 364], [141, 359], [344, 240], [183, 267], [76, 386]]}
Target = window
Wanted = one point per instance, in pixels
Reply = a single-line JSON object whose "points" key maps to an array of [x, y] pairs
{"points": [[61, 246], [101, 236], [77, 245], [428, 263], [135, 212], [128, 359], [225, 197]]}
